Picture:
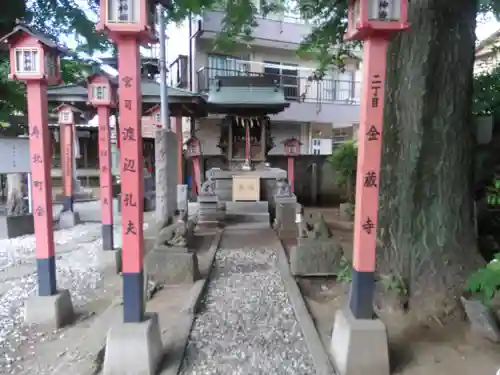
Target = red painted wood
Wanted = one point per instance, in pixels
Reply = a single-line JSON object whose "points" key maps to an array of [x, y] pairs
{"points": [[291, 173], [66, 132], [197, 175], [40, 154], [178, 131], [105, 176], [131, 158], [369, 153]]}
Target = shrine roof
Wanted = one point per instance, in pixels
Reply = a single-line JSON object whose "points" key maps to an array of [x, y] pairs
{"points": [[184, 102], [239, 95]]}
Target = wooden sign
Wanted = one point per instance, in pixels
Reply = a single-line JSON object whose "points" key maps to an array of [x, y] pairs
{"points": [[246, 188]]}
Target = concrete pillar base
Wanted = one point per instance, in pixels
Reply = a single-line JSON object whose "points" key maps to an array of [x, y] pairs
{"points": [[68, 219], [359, 346], [111, 258], [133, 348], [49, 312]]}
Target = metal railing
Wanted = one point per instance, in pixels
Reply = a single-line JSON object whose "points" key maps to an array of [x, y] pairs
{"points": [[296, 87]]}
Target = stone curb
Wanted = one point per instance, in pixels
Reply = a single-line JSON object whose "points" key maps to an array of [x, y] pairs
{"points": [[113, 312], [192, 306], [321, 359]]}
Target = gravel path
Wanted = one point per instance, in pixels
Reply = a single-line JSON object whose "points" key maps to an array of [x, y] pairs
{"points": [[247, 324]]}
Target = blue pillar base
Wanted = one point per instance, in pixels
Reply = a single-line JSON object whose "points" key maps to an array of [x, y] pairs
{"points": [[361, 294], [46, 271], [107, 237], [133, 297], [68, 203]]}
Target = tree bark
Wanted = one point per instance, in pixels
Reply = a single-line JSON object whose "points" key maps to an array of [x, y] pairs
{"points": [[426, 231], [15, 202]]}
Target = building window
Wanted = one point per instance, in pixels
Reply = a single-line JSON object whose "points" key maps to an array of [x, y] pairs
{"points": [[287, 75], [340, 135], [316, 146], [219, 65], [27, 60]]}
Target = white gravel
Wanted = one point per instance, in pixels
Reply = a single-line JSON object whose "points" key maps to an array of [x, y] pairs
{"points": [[247, 324], [78, 269]]}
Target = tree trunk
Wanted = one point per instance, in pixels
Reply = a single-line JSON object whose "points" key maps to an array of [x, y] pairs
{"points": [[426, 226], [15, 201]]}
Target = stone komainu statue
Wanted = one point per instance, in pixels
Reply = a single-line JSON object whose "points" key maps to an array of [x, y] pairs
{"points": [[208, 188]]}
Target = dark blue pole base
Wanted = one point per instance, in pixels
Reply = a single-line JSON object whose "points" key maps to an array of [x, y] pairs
{"points": [[361, 294], [107, 237], [68, 203], [46, 271], [133, 297]]}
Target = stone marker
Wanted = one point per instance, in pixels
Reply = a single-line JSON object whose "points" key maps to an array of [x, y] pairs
{"points": [[208, 210], [482, 319], [171, 261], [317, 253], [285, 203]]}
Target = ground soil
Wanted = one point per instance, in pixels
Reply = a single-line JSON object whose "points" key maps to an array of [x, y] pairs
{"points": [[432, 348]]}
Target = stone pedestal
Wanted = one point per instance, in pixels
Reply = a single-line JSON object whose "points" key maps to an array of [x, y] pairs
{"points": [[315, 257], [49, 312], [172, 265], [286, 213], [208, 212], [133, 348], [68, 219], [359, 346], [16, 226]]}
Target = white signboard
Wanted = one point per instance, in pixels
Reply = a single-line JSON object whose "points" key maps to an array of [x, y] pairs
{"points": [[15, 155]]}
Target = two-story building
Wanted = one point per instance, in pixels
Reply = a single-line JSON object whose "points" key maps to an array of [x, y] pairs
{"points": [[321, 113]]}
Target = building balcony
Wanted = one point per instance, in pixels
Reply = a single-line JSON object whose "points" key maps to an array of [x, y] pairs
{"points": [[326, 100], [274, 30]]}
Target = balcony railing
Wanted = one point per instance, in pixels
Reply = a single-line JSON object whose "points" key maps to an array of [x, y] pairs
{"points": [[296, 88]]}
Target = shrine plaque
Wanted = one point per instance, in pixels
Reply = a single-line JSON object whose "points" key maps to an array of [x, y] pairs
{"points": [[246, 188]]}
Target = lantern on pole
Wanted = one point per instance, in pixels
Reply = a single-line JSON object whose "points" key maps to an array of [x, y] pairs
{"points": [[292, 150], [374, 22], [35, 60], [193, 152], [102, 95]]}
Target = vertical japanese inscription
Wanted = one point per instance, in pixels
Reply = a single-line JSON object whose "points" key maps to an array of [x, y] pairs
{"points": [[375, 86]]}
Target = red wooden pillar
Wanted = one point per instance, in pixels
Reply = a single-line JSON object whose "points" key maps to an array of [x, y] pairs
{"points": [[292, 150], [193, 152], [375, 29], [102, 94], [36, 62], [67, 117]]}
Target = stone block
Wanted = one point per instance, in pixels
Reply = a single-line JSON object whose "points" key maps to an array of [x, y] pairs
{"points": [[313, 257], [171, 265], [49, 312], [69, 219], [15, 226], [285, 216], [359, 346], [133, 348]]}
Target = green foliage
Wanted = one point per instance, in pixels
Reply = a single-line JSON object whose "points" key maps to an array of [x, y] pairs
{"points": [[486, 97], [343, 273], [343, 161], [493, 193], [485, 282], [394, 284]]}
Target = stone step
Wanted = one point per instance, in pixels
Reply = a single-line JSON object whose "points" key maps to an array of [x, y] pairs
{"points": [[247, 218], [247, 207], [246, 226]]}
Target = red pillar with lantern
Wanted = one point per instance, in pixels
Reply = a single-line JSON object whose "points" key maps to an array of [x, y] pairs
{"points": [[35, 60], [67, 115], [193, 152], [292, 150], [374, 22], [102, 95], [130, 24], [178, 131]]}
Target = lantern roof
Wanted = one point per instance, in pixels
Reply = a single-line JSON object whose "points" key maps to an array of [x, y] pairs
{"points": [[290, 140], [100, 73], [67, 106], [191, 140], [42, 38], [154, 109]]}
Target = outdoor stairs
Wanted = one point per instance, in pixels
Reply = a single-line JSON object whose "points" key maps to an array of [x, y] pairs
{"points": [[247, 215]]}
